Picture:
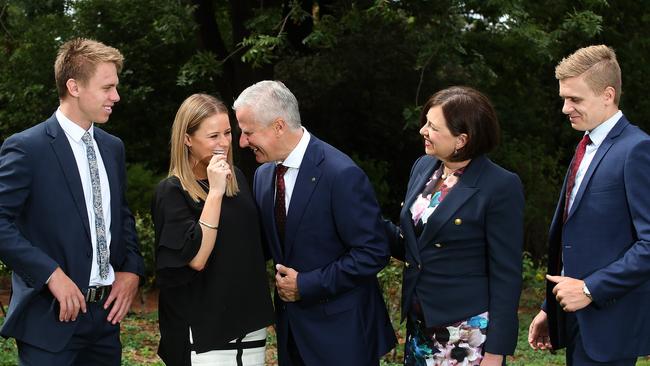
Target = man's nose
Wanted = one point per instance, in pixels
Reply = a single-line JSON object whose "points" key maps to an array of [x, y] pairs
{"points": [[243, 141]]}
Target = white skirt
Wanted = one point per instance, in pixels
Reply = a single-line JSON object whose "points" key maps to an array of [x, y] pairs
{"points": [[234, 357]]}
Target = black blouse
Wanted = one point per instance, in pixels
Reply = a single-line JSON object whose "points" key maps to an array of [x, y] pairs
{"points": [[230, 297]]}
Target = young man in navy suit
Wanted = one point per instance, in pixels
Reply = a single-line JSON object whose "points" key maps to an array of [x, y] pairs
{"points": [[598, 289], [324, 231], [65, 228]]}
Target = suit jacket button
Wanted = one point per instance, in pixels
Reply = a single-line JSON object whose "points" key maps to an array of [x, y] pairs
{"points": [[437, 245], [407, 264], [419, 266], [401, 204], [458, 221]]}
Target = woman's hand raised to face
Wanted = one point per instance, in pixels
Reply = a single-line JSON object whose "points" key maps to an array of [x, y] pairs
{"points": [[218, 173]]}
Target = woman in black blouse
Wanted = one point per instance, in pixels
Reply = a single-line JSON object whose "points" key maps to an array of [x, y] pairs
{"points": [[214, 302]]}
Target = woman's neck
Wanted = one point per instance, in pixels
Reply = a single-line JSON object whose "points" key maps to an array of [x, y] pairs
{"points": [[200, 171], [450, 167]]}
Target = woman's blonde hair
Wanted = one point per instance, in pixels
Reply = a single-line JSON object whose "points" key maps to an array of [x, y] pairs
{"points": [[194, 110]]}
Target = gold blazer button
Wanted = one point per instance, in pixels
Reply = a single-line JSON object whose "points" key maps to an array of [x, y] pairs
{"points": [[458, 221]]}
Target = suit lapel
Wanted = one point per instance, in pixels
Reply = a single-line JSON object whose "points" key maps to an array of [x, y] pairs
{"points": [[68, 164], [600, 153], [307, 180], [460, 193], [406, 221], [267, 207]]}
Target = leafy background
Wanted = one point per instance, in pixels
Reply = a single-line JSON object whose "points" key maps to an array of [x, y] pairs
{"points": [[361, 71]]}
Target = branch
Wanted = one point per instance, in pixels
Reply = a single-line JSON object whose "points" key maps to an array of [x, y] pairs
{"points": [[4, 8], [424, 67]]}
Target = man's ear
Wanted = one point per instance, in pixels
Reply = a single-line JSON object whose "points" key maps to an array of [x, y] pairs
{"points": [[279, 126], [73, 87], [609, 94]]}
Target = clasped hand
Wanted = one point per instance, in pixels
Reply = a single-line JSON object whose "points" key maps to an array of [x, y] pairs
{"points": [[286, 282]]}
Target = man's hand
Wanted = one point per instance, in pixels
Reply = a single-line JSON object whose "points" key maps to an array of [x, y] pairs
{"points": [[124, 290], [286, 282], [67, 294], [538, 337], [568, 293]]}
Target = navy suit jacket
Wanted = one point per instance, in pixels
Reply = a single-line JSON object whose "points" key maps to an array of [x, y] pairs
{"points": [[467, 260], [44, 224], [335, 240], [606, 242]]}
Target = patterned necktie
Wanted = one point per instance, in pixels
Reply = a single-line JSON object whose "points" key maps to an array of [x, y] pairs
{"points": [[575, 164], [280, 208], [102, 250]]}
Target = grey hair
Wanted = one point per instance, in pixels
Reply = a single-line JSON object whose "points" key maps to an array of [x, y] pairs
{"points": [[268, 100]]}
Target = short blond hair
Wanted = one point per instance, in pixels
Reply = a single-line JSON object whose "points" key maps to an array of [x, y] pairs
{"points": [[78, 59], [194, 110], [599, 66]]}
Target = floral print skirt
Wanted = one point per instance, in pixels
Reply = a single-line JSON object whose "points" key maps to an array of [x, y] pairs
{"points": [[460, 343]]}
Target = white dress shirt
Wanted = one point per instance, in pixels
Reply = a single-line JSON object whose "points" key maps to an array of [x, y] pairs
{"points": [[74, 132], [597, 136], [292, 162]]}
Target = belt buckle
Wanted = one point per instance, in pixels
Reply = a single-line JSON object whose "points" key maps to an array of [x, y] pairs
{"points": [[96, 293]]}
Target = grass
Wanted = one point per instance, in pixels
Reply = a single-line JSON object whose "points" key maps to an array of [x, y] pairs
{"points": [[140, 331]]}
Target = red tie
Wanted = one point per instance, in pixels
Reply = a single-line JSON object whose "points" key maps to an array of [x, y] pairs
{"points": [[575, 164], [280, 209]]}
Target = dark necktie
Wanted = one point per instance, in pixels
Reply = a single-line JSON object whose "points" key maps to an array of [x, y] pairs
{"points": [[575, 164], [280, 208], [102, 250]]}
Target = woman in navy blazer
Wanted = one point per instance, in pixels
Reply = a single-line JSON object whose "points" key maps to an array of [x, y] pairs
{"points": [[460, 238]]}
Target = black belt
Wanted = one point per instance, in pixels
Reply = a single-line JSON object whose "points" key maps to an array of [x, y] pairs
{"points": [[97, 293], [238, 344]]}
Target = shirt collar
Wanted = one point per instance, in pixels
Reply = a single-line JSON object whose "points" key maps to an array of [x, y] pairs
{"points": [[72, 129], [295, 157], [598, 134]]}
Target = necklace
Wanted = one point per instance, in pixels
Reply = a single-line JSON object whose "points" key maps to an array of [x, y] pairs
{"points": [[445, 175], [204, 184]]}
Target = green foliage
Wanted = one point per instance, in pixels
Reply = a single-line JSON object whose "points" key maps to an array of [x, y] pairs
{"points": [[262, 49], [147, 237], [377, 172], [361, 71], [200, 68], [140, 187]]}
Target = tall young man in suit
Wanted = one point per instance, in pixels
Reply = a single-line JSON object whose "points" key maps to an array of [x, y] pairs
{"points": [[598, 289], [65, 228], [323, 228]]}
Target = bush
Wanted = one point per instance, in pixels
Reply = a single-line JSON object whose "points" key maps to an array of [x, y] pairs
{"points": [[146, 235], [141, 185]]}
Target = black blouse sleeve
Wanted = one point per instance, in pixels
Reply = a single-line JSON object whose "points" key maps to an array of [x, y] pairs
{"points": [[178, 234]]}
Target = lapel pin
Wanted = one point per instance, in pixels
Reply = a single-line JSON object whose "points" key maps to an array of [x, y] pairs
{"points": [[458, 221], [313, 179]]}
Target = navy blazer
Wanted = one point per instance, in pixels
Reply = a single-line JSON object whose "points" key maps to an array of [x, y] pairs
{"points": [[468, 258], [44, 224], [335, 240], [606, 242]]}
